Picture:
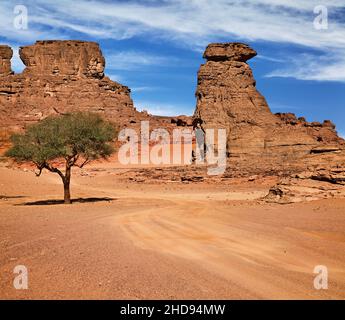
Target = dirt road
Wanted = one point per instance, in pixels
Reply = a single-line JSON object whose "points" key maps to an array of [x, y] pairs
{"points": [[165, 241]]}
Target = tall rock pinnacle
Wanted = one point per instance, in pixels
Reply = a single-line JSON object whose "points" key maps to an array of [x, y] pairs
{"points": [[227, 98]]}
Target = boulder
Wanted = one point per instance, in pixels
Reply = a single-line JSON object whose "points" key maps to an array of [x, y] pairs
{"points": [[229, 52]]}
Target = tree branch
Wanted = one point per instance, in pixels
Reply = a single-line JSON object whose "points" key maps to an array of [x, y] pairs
{"points": [[53, 169], [74, 160], [40, 167], [87, 160], [71, 160]]}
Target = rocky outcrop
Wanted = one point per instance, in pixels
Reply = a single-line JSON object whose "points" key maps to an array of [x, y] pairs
{"points": [[227, 98], [297, 190], [229, 52], [60, 76], [324, 133], [6, 54], [63, 76], [308, 157], [64, 58], [307, 186], [323, 178]]}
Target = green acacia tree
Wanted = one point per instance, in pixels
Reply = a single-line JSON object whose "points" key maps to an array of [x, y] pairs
{"points": [[75, 138]]}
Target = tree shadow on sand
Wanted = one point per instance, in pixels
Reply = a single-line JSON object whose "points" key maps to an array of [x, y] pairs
{"points": [[2, 197], [56, 201]]}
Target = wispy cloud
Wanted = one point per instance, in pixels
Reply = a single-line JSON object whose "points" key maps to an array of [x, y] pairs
{"points": [[194, 20], [144, 88], [191, 23], [160, 109], [272, 59], [116, 77], [324, 67], [134, 60]]}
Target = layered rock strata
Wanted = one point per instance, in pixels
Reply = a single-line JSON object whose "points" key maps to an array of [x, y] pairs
{"points": [[227, 98], [59, 77]]}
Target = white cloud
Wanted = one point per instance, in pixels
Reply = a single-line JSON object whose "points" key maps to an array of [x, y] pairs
{"points": [[301, 4], [195, 20], [191, 23], [160, 109], [115, 77], [272, 59], [144, 88], [133, 60], [326, 67]]}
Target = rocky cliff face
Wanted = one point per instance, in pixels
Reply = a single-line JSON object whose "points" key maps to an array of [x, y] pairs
{"points": [[309, 157], [227, 98], [5, 60], [64, 58], [60, 76]]}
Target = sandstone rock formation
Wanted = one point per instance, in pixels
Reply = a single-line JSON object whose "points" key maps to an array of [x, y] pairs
{"points": [[60, 76], [324, 133], [323, 183], [309, 157], [65, 58], [319, 175], [6, 54], [227, 98], [229, 52], [63, 76]]}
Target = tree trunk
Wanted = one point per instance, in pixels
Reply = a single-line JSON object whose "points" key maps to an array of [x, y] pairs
{"points": [[66, 186]]}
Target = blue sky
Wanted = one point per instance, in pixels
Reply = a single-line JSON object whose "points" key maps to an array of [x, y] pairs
{"points": [[155, 47]]}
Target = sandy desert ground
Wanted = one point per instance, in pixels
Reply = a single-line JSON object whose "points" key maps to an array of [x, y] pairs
{"points": [[164, 241]]}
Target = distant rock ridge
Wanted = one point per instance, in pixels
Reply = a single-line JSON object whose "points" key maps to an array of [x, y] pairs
{"points": [[227, 98]]}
